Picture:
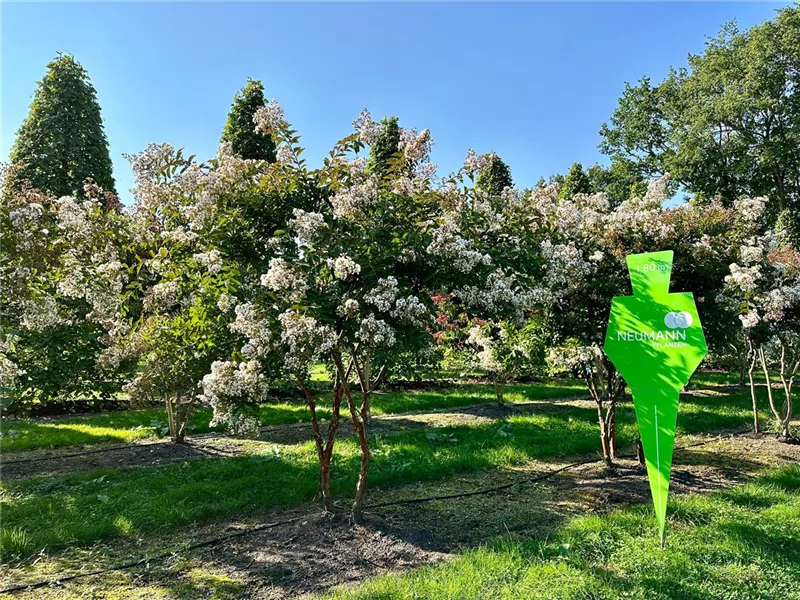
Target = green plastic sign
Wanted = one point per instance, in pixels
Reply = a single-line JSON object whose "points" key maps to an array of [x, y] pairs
{"points": [[656, 342]]}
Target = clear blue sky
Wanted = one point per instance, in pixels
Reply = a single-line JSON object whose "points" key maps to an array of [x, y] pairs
{"points": [[533, 82]]}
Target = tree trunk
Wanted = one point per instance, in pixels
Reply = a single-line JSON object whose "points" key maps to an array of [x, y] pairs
{"points": [[324, 448], [612, 429], [361, 431], [640, 452], [605, 444], [753, 396], [499, 390], [176, 421], [783, 416]]}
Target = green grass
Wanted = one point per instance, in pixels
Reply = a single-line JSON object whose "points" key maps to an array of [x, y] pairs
{"points": [[129, 425], [740, 544], [81, 509]]}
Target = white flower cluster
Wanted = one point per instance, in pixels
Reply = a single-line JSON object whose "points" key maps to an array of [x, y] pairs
{"points": [[282, 277], [225, 302], [270, 118], [368, 130], [305, 340], [383, 295], [244, 425], [351, 202], [307, 225], [344, 267], [565, 359], [161, 296], [746, 278], [212, 260], [250, 323], [41, 314], [285, 154], [751, 209], [475, 163], [348, 308], [410, 311], [486, 349], [498, 295], [448, 244], [581, 216], [179, 235], [375, 333], [200, 213], [227, 384], [778, 300], [750, 319], [564, 267], [752, 254], [415, 147]]}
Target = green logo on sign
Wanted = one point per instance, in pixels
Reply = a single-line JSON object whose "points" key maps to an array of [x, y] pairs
{"points": [[656, 342]]}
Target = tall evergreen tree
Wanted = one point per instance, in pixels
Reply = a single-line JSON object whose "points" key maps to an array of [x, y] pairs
{"points": [[495, 177], [576, 182], [61, 142], [385, 147], [240, 130]]}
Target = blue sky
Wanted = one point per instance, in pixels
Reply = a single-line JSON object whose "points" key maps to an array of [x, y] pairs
{"points": [[531, 81]]}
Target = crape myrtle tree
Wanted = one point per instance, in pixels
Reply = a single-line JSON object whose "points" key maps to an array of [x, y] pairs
{"points": [[204, 233], [352, 281], [586, 242], [490, 322], [728, 125], [185, 284], [62, 270], [764, 287], [61, 142]]}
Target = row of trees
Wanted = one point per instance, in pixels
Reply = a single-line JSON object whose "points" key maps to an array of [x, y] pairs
{"points": [[231, 275]]}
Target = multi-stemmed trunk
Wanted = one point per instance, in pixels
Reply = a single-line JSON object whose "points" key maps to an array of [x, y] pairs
{"points": [[605, 387], [783, 415], [324, 443], [178, 412], [499, 389], [357, 414]]}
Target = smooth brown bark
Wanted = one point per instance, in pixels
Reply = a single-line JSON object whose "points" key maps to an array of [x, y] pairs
{"points": [[357, 415], [324, 444]]}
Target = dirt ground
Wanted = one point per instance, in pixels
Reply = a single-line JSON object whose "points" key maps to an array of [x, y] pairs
{"points": [[316, 552]]}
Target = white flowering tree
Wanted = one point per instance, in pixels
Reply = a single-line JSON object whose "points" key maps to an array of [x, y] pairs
{"points": [[351, 282], [584, 249], [764, 284], [62, 270], [184, 287]]}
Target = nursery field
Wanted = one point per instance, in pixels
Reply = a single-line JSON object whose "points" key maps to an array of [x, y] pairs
{"points": [[221, 517]]}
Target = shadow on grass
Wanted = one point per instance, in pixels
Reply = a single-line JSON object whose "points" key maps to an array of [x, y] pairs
{"points": [[715, 549]]}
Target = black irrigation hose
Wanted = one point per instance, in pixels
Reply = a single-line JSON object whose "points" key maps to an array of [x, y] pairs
{"points": [[244, 532]]}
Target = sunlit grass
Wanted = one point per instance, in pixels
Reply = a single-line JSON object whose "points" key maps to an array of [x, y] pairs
{"points": [[81, 509], [130, 425], [740, 544]]}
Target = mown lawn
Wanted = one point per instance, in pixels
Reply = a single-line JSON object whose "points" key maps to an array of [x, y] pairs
{"points": [[80, 509], [130, 425], [739, 544]]}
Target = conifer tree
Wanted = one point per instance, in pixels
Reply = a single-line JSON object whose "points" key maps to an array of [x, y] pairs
{"points": [[61, 142]]}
